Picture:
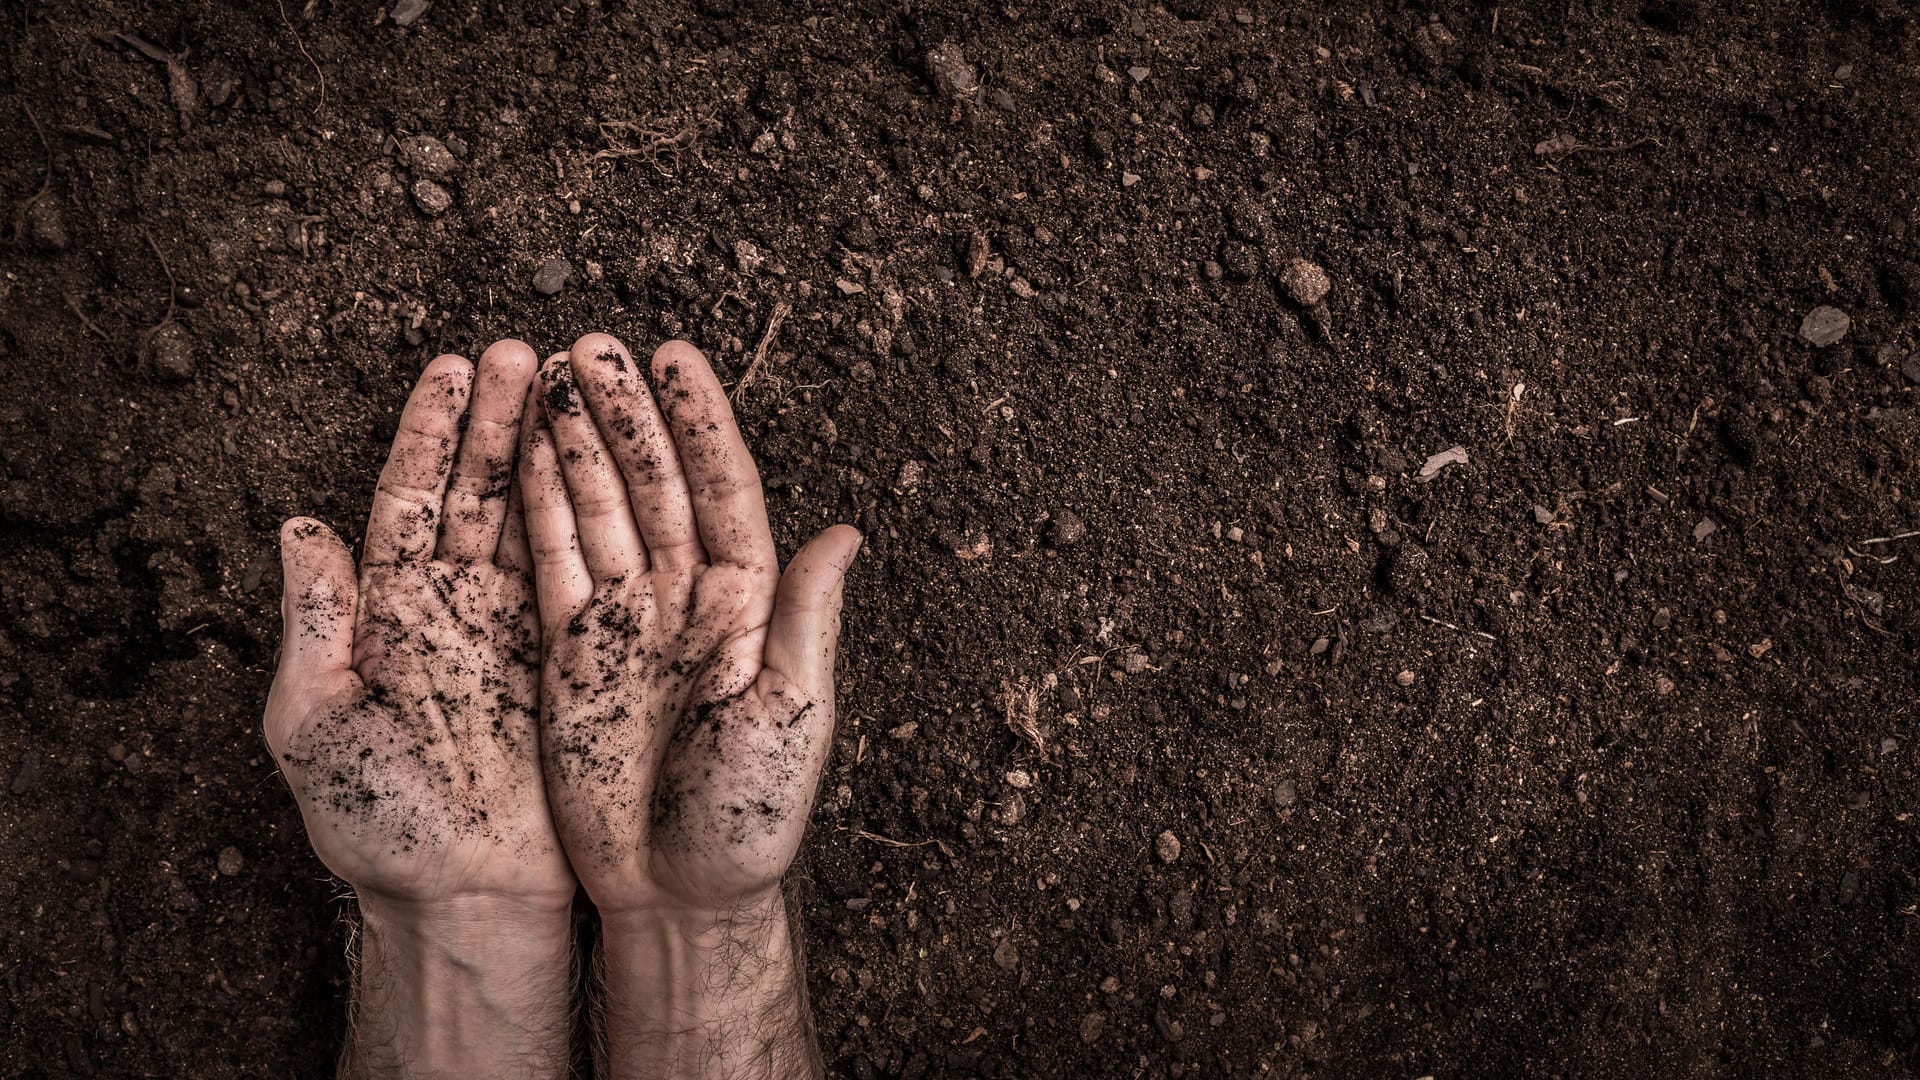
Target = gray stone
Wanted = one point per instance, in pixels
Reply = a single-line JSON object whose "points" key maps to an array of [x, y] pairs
{"points": [[171, 349], [1824, 326], [407, 12], [552, 276]]}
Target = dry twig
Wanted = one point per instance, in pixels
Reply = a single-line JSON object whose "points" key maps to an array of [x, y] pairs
{"points": [[781, 309]]}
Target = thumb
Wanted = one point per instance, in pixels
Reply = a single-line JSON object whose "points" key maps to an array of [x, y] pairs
{"points": [[319, 595], [805, 630]]}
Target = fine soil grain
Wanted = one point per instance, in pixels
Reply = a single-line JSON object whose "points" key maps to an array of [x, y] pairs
{"points": [[1373, 568]]}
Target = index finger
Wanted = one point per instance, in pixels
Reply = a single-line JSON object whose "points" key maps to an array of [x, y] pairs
{"points": [[727, 503], [406, 504]]}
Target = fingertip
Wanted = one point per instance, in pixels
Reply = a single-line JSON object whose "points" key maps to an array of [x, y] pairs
{"points": [[300, 535], [849, 541], [674, 358], [450, 366], [514, 360], [603, 348], [295, 529]]}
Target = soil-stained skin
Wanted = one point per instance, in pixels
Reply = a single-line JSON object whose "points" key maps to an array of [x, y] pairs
{"points": [[431, 754], [672, 764], [418, 771]]}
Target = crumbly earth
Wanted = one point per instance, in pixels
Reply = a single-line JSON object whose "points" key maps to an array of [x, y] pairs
{"points": [[1587, 750]]}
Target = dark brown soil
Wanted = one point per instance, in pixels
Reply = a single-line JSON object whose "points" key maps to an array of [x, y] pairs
{"points": [[1593, 756]]}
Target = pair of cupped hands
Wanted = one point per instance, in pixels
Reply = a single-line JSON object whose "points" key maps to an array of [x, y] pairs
{"points": [[568, 659]]}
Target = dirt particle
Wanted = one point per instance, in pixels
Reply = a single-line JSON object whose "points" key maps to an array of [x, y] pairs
{"points": [[1305, 283], [1067, 529], [1006, 954], [1824, 326], [1167, 846], [428, 157], [1091, 1025], [552, 276], [947, 68], [432, 199]]}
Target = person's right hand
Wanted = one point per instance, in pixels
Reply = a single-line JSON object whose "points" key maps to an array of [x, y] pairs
{"points": [[686, 697]]}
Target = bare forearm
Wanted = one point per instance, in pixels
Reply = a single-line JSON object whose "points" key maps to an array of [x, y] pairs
{"points": [[463, 990], [694, 996]]}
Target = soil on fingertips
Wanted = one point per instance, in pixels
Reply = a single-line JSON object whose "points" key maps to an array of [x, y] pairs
{"points": [[1186, 728]]}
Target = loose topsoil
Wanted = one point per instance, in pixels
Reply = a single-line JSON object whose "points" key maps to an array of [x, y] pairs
{"points": [[1191, 725]]}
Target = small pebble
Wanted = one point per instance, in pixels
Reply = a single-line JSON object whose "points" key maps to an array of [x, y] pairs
{"points": [[1067, 529], [1006, 954], [231, 862], [1453, 455], [274, 189], [552, 276], [431, 197], [1824, 326], [1167, 846], [407, 12], [1019, 778], [1305, 282], [428, 157], [1091, 1025], [952, 76], [1286, 793], [27, 777], [171, 350], [1405, 678], [43, 226], [859, 234]]}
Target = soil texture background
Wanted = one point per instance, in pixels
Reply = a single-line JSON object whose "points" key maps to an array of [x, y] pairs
{"points": [[1377, 564]]}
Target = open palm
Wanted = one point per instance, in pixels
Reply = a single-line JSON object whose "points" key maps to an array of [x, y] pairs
{"points": [[403, 713], [687, 687]]}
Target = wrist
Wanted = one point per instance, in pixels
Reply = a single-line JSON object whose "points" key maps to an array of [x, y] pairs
{"points": [[696, 992], [471, 986]]}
